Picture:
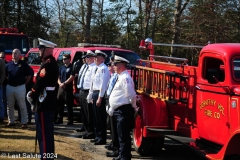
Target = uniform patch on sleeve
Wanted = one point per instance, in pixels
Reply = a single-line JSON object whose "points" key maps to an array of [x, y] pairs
{"points": [[103, 70], [126, 80], [42, 72]]}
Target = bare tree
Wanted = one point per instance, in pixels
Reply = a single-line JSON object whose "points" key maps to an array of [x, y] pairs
{"points": [[148, 8], [179, 8]]}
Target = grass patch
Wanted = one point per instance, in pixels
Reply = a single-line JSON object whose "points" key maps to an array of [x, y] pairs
{"points": [[20, 143]]}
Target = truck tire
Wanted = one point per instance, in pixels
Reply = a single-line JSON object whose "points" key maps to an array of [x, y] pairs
{"points": [[142, 145]]}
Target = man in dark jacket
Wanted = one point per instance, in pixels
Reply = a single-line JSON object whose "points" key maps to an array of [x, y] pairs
{"points": [[44, 98]]}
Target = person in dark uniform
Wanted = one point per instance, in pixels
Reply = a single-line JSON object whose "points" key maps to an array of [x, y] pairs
{"points": [[44, 98], [76, 68], [65, 90], [2, 77], [122, 102], [96, 96], [4, 84]]}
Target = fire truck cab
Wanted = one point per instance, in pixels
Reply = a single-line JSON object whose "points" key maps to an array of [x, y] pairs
{"points": [[194, 105], [10, 39]]}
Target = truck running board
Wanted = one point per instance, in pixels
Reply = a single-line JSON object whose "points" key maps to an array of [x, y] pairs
{"points": [[171, 134], [201, 147]]}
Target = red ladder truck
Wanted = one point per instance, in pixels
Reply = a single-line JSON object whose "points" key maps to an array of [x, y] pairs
{"points": [[10, 39], [198, 106]]}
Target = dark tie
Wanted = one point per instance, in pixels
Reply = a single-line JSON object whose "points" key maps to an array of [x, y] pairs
{"points": [[82, 77], [112, 84], [79, 76]]}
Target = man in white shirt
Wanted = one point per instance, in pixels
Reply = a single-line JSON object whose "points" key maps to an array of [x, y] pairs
{"points": [[82, 129], [84, 86], [122, 102], [96, 95]]}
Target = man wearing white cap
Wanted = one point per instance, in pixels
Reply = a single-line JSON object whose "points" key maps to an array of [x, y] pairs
{"points": [[84, 86], [44, 98], [96, 95], [122, 102]]}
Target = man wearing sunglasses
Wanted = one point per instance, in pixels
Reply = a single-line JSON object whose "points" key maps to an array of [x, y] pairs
{"points": [[65, 90]]}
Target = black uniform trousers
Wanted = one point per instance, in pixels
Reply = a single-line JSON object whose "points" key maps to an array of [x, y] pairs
{"points": [[114, 133], [87, 111], [65, 97], [113, 126], [83, 115], [100, 118], [45, 132], [125, 120]]}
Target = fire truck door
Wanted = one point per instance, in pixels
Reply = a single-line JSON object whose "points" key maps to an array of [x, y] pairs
{"points": [[212, 103]]}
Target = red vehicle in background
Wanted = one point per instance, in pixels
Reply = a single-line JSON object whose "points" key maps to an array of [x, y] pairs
{"points": [[198, 106], [76, 55], [10, 39]]}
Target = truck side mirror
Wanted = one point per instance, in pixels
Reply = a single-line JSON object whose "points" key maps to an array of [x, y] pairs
{"points": [[213, 75]]}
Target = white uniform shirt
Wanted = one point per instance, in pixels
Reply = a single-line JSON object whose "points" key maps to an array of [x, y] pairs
{"points": [[88, 76], [123, 91], [100, 80], [80, 74]]}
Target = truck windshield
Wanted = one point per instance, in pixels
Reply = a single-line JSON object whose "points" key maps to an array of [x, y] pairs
{"points": [[236, 68], [8, 42]]}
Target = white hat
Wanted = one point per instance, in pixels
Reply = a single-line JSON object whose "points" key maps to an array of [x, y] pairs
{"points": [[45, 43], [90, 53], [118, 59], [97, 52]]}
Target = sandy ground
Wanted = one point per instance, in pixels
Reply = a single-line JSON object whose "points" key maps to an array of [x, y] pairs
{"points": [[68, 146]]}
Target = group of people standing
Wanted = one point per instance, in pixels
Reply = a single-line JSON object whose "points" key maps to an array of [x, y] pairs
{"points": [[105, 90]]}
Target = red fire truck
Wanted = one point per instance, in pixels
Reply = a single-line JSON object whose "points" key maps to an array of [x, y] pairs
{"points": [[194, 105], [10, 39]]}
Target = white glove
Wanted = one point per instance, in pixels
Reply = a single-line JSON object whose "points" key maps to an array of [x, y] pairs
{"points": [[107, 108], [133, 101], [89, 98], [110, 111], [29, 98]]}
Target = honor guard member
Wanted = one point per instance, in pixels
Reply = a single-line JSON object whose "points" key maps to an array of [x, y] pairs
{"points": [[65, 90], [44, 98], [96, 95], [18, 74], [84, 86], [122, 102], [83, 116]]}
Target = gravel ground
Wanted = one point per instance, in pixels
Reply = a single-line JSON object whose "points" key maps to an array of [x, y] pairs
{"points": [[170, 151]]}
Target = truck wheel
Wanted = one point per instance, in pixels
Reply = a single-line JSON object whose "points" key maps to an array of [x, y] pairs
{"points": [[142, 145]]}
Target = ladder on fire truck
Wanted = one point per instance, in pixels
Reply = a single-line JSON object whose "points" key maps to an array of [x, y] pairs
{"points": [[171, 84]]}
